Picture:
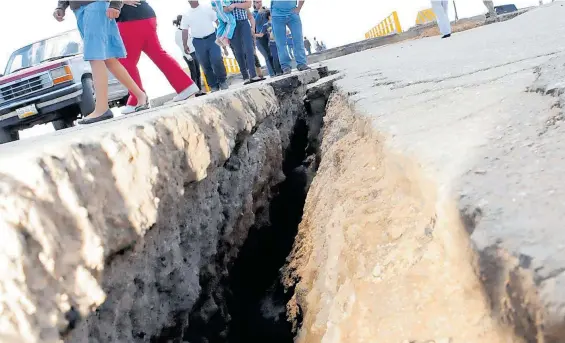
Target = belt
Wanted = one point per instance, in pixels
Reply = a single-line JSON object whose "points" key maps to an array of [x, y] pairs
{"points": [[210, 35]]}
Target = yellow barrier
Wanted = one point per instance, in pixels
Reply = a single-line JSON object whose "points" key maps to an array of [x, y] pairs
{"points": [[425, 16], [388, 26], [231, 68]]}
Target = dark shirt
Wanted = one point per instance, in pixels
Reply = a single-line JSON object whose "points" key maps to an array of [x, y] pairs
{"points": [[260, 20], [307, 44], [142, 11], [267, 29]]}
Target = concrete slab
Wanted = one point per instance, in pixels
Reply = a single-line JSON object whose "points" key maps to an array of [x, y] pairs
{"points": [[462, 109]]}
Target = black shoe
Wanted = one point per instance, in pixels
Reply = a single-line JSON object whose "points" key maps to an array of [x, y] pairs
{"points": [[446, 36], [303, 67], [256, 79], [107, 115]]}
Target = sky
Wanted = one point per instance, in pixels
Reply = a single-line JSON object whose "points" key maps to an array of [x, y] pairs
{"points": [[336, 22]]}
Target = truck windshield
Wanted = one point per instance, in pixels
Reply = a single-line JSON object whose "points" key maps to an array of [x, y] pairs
{"points": [[66, 44]]}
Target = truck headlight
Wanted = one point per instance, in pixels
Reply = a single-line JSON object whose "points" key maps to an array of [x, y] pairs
{"points": [[62, 74]]}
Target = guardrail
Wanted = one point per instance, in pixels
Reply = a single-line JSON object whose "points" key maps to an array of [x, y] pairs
{"points": [[425, 17], [231, 68], [388, 26]]}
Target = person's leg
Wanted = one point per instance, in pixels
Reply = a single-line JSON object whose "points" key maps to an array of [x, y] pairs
{"points": [[177, 77], [118, 70], [103, 45], [442, 18], [279, 30], [133, 41], [203, 55], [239, 52], [263, 47], [196, 70], [217, 64], [244, 30], [295, 25], [276, 64], [490, 7]]}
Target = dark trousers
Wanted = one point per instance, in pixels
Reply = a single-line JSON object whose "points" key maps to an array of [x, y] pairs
{"points": [[194, 68], [209, 55], [244, 49], [276, 63], [263, 47], [309, 49]]}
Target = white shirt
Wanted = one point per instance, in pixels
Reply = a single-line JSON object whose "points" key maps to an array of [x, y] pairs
{"points": [[178, 40], [200, 20]]}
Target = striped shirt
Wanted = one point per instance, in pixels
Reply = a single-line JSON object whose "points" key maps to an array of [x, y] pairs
{"points": [[239, 14]]}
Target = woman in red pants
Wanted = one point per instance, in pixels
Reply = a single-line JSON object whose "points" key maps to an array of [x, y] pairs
{"points": [[138, 28]]}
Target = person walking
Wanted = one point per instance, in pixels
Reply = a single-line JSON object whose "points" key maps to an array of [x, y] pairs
{"points": [[267, 30], [286, 13], [440, 8], [242, 41], [200, 20], [190, 58], [138, 28], [308, 46], [490, 7], [262, 41], [102, 47]]}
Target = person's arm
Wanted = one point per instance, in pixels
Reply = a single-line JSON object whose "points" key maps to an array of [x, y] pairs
{"points": [[185, 36], [62, 5], [59, 13], [299, 7], [117, 5], [243, 5], [184, 26], [262, 32], [251, 20]]}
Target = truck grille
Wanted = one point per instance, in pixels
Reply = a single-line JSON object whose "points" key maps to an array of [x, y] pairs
{"points": [[25, 87]]}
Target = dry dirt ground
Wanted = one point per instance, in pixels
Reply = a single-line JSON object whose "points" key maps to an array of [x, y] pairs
{"points": [[379, 257]]}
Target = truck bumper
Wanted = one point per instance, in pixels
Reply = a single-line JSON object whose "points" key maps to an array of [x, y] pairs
{"points": [[46, 104]]}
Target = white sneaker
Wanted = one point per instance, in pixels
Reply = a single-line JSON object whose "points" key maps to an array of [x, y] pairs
{"points": [[128, 109], [192, 90]]}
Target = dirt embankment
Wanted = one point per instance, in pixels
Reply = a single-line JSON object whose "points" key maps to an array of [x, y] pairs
{"points": [[380, 255]]}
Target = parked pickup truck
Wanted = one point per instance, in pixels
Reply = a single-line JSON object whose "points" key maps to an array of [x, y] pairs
{"points": [[49, 81]]}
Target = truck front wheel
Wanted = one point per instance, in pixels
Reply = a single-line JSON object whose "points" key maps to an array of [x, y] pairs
{"points": [[7, 136], [61, 124], [88, 101]]}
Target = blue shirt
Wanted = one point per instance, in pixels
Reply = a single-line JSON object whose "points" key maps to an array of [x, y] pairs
{"points": [[238, 13], [267, 29], [282, 8], [260, 20]]}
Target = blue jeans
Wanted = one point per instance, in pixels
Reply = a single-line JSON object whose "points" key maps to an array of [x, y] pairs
{"points": [[263, 47], [275, 54], [279, 30], [244, 49], [210, 58]]}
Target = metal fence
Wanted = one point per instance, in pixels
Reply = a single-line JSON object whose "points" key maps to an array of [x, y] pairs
{"points": [[388, 26]]}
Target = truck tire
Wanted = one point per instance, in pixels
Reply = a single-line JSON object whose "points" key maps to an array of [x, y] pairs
{"points": [[64, 123], [8, 136], [88, 101]]}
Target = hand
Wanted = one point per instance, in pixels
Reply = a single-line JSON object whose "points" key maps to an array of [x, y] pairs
{"points": [[112, 13], [186, 49], [296, 10], [132, 3], [59, 14]]}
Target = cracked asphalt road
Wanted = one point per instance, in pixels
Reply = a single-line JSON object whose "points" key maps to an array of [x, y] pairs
{"points": [[473, 110]]}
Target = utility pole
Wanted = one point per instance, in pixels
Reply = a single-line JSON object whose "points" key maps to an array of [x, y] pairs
{"points": [[455, 7]]}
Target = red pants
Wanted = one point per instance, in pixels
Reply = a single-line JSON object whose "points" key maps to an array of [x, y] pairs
{"points": [[141, 36]]}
